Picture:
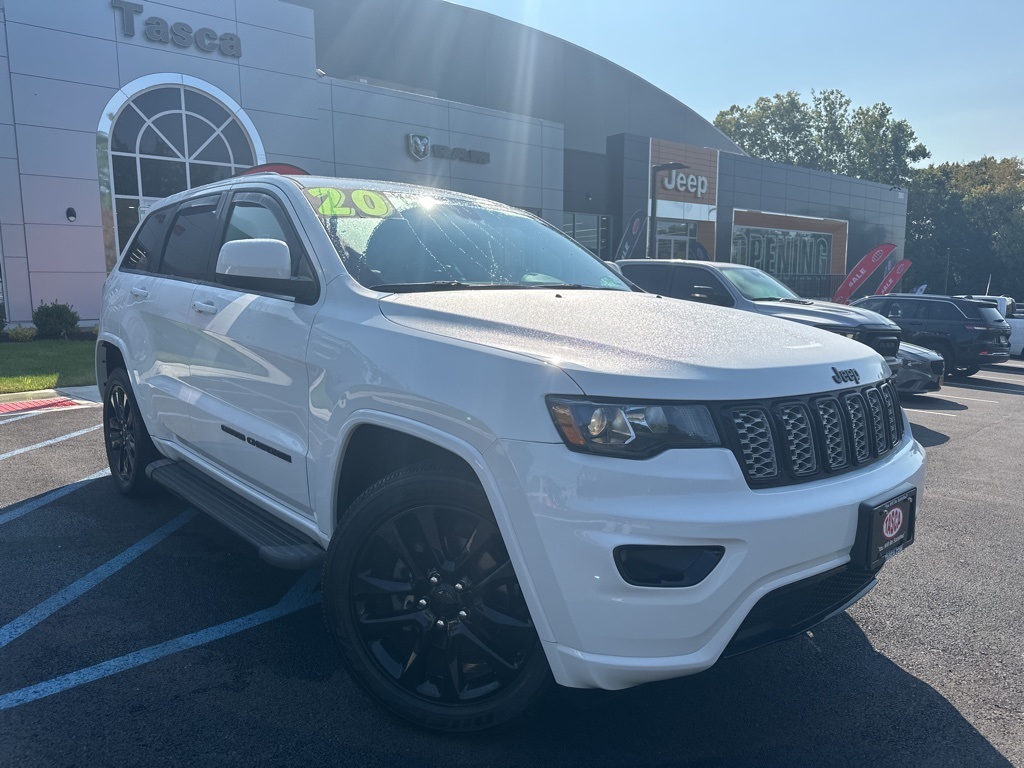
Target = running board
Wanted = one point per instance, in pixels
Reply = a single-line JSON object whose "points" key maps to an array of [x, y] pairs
{"points": [[276, 543]]}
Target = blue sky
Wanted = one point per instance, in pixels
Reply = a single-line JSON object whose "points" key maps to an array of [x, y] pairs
{"points": [[953, 70]]}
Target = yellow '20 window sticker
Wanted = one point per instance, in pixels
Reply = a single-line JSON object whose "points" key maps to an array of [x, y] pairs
{"points": [[331, 201]]}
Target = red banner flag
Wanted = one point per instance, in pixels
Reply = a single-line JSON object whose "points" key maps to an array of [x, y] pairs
{"points": [[892, 278], [859, 273]]}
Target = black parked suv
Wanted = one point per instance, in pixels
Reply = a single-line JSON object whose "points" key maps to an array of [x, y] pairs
{"points": [[968, 333]]}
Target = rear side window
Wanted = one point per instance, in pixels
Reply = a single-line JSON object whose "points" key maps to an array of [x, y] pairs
{"points": [[143, 253], [990, 314], [944, 310], [191, 239], [653, 278]]}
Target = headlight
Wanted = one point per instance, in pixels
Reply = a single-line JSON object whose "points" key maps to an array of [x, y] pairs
{"points": [[631, 430]]}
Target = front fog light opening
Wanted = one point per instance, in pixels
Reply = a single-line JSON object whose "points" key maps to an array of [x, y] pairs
{"points": [[645, 565]]}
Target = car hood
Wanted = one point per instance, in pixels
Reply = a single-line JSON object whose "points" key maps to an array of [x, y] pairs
{"points": [[825, 313], [626, 344], [914, 352]]}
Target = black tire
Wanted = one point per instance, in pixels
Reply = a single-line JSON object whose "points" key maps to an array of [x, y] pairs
{"points": [[129, 447], [968, 371], [948, 358], [456, 654]]}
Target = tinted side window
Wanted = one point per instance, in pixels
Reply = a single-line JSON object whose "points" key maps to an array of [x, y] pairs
{"points": [[696, 284], [192, 235], [257, 215], [653, 278], [944, 310], [144, 251], [875, 305]]}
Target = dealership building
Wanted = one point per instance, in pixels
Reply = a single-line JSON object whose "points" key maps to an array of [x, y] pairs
{"points": [[109, 105]]}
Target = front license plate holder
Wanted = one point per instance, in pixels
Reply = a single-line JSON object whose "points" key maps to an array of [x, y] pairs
{"points": [[884, 529]]}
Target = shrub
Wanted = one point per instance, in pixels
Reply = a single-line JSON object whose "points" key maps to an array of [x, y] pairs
{"points": [[55, 320], [21, 333]]}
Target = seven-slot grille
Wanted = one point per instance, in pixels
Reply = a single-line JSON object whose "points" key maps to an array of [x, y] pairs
{"points": [[794, 440]]}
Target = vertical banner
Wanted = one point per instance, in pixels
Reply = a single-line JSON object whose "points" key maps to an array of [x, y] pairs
{"points": [[893, 277], [872, 261], [630, 236]]}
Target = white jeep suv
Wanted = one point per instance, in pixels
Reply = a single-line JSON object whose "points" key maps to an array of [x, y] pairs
{"points": [[514, 466]]}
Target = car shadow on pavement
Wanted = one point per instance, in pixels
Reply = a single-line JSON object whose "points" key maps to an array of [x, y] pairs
{"points": [[828, 698], [929, 438]]}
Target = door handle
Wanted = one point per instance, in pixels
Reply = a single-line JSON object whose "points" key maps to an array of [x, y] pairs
{"points": [[204, 308], [139, 293]]}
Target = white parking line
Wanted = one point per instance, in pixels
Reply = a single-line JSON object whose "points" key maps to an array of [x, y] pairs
{"points": [[42, 501], [976, 399], [23, 416], [978, 387], [937, 413], [20, 451]]}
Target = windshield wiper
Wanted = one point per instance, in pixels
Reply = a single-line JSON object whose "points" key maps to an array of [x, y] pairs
{"points": [[436, 285]]}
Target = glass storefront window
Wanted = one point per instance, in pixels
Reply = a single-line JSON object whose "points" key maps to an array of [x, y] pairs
{"points": [[590, 230], [168, 139], [674, 238]]}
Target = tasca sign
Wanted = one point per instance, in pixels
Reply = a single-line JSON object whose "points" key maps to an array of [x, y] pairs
{"points": [[178, 33]]}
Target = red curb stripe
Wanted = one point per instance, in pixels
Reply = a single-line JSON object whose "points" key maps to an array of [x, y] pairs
{"points": [[35, 405]]}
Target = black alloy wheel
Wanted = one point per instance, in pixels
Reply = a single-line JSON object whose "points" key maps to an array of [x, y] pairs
{"points": [[129, 448], [420, 592]]}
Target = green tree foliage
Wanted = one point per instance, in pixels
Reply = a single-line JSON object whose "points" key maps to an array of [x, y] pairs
{"points": [[971, 217], [826, 135]]}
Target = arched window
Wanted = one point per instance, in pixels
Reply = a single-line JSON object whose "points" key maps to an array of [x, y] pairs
{"points": [[167, 139]]}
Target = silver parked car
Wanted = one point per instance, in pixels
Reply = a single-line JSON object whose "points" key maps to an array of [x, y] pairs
{"points": [[920, 371]]}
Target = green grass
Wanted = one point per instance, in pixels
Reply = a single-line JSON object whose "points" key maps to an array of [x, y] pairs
{"points": [[25, 366]]}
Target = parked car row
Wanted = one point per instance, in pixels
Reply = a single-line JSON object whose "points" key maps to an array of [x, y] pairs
{"points": [[968, 333], [918, 370]]}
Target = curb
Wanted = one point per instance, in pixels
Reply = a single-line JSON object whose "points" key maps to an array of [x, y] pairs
{"points": [[38, 394]]}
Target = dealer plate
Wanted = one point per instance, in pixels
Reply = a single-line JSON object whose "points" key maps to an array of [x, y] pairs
{"points": [[885, 530]]}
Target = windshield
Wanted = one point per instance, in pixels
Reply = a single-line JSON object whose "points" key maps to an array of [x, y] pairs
{"points": [[408, 241], [757, 285]]}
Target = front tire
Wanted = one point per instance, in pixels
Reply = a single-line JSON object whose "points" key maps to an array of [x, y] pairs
{"points": [[129, 447], [420, 594]]}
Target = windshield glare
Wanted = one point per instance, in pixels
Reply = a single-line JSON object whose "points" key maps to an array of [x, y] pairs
{"points": [[755, 284], [412, 240]]}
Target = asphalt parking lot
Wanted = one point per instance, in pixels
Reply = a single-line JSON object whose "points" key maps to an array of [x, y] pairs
{"points": [[142, 633]]}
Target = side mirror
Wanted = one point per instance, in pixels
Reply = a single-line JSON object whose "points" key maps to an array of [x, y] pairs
{"points": [[255, 258], [263, 266]]}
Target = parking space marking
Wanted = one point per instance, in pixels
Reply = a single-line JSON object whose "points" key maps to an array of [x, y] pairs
{"points": [[969, 388], [937, 413], [15, 629], [31, 506], [23, 416], [301, 595], [975, 399], [20, 451]]}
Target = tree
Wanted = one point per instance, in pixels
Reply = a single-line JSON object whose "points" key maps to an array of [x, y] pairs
{"points": [[965, 223], [826, 135]]}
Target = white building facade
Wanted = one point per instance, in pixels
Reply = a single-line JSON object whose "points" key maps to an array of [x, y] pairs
{"points": [[109, 105]]}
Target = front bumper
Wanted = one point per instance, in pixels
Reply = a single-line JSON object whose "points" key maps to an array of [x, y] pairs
{"points": [[570, 511]]}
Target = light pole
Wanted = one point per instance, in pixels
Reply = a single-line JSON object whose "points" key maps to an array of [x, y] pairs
{"points": [[945, 287], [652, 239]]}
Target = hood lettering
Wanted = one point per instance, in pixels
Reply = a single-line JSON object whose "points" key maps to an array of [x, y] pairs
{"points": [[846, 374]]}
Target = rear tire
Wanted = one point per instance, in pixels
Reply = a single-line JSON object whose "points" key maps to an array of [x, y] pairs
{"points": [[969, 370], [420, 594], [129, 447]]}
